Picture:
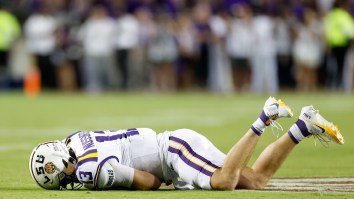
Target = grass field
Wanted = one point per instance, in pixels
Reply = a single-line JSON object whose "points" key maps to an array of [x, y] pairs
{"points": [[222, 118]]}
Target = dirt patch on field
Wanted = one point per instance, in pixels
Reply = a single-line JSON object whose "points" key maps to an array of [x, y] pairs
{"points": [[311, 185]]}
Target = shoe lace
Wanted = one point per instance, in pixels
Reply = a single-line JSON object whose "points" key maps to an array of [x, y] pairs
{"points": [[323, 140], [276, 128]]}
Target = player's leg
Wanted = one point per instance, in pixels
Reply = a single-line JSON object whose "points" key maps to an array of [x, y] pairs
{"points": [[309, 123], [227, 177], [267, 164], [192, 159]]}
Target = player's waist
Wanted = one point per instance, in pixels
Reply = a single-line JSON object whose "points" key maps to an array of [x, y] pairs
{"points": [[163, 142]]}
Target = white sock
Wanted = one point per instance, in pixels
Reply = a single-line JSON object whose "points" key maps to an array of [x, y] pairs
{"points": [[298, 131], [260, 124]]}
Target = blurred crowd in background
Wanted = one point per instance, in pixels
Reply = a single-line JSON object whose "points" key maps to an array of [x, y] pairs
{"points": [[221, 46]]}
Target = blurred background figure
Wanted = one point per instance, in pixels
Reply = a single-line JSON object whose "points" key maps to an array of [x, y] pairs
{"points": [[285, 23], [202, 14], [10, 30], [339, 32], [162, 53], [186, 42], [40, 31], [68, 53], [127, 38], [348, 78], [71, 70], [220, 79], [264, 65], [98, 39], [257, 45], [140, 69], [240, 45], [308, 50]]}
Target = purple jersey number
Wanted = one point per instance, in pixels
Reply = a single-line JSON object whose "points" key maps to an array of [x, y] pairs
{"points": [[85, 177], [128, 133]]}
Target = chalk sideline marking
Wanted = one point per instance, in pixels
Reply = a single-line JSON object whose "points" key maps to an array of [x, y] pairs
{"points": [[331, 185]]}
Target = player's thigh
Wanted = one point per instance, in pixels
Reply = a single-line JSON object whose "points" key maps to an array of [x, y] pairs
{"points": [[194, 157]]}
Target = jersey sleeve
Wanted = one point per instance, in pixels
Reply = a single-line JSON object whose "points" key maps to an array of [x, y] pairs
{"points": [[108, 174]]}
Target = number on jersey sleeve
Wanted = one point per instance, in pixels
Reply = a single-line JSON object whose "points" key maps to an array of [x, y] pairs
{"points": [[108, 174]]}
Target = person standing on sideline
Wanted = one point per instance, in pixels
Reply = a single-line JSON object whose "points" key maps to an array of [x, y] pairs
{"points": [[308, 51], [127, 39], [264, 78], [202, 15], [162, 54], [239, 45], [220, 78], [10, 31], [97, 35], [339, 32], [41, 36]]}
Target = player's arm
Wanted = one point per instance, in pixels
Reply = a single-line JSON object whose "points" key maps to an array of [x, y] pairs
{"points": [[110, 174], [145, 181]]}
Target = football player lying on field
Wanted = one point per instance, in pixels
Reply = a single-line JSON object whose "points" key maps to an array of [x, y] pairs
{"points": [[140, 159]]}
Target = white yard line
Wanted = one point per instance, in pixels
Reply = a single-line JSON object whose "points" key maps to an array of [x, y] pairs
{"points": [[15, 147], [322, 185]]}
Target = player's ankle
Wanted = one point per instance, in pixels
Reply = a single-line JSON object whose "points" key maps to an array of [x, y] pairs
{"points": [[260, 124], [298, 131]]}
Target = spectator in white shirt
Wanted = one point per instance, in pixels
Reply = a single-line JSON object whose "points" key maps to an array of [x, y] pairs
{"points": [[127, 39], [264, 61], [98, 38], [239, 45], [40, 33]]}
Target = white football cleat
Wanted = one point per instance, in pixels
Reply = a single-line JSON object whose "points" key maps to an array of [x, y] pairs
{"points": [[275, 109], [319, 126], [272, 110]]}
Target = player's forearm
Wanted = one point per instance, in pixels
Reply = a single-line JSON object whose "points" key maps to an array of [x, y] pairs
{"points": [[145, 181]]}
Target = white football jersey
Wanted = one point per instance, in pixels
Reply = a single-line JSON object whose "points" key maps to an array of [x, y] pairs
{"points": [[106, 159]]}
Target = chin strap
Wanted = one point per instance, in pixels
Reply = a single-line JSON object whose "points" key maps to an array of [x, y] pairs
{"points": [[70, 180], [69, 171]]}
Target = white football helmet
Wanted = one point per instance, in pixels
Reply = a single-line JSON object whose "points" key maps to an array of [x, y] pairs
{"points": [[52, 167]]}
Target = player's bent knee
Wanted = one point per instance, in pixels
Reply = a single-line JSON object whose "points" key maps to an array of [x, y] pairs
{"points": [[258, 185], [260, 182], [223, 186], [223, 181]]}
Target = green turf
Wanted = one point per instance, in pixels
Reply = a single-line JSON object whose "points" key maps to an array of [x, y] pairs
{"points": [[222, 118]]}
